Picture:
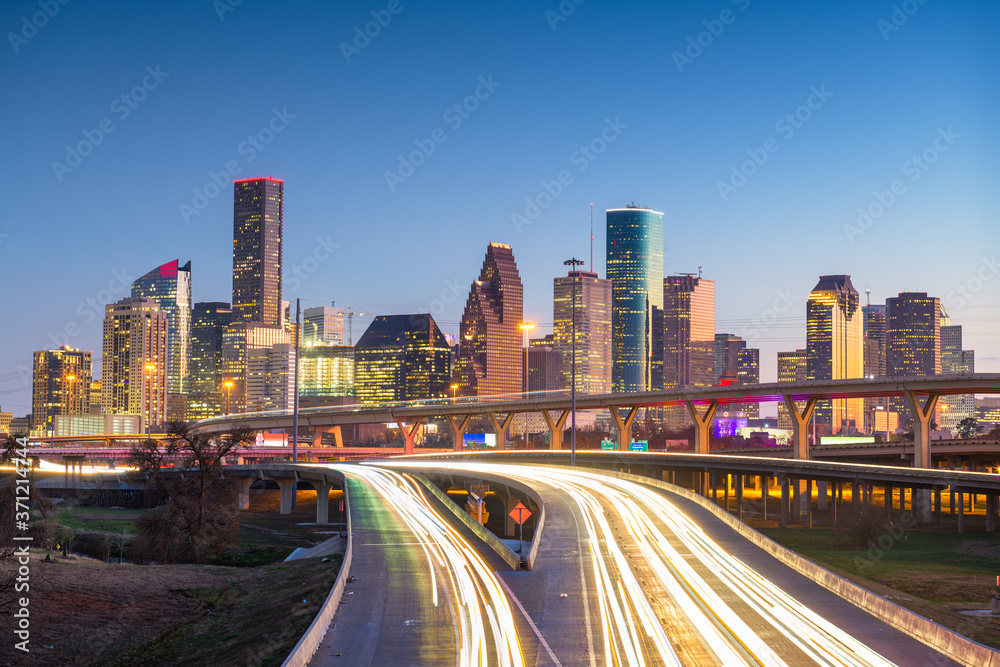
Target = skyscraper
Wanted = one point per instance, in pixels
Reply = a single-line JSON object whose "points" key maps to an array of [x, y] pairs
{"points": [[834, 344], [326, 370], [246, 355], [490, 357], [635, 268], [258, 210], [323, 325], [792, 367], [688, 339], [913, 341], [60, 386], [593, 330], [955, 361], [134, 361], [874, 341], [170, 286], [401, 358], [208, 321]]}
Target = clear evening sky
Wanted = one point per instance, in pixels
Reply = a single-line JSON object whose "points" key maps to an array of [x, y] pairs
{"points": [[830, 102]]}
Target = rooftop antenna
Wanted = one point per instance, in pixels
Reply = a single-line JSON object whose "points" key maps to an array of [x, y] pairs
{"points": [[699, 271], [591, 237], [868, 294]]}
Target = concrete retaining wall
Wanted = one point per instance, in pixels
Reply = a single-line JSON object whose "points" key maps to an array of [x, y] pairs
{"points": [[486, 536], [950, 643], [310, 641]]}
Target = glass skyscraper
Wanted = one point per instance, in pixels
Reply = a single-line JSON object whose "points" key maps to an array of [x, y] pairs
{"points": [[401, 358], [593, 330], [170, 286], [258, 210], [835, 348], [635, 267], [61, 386], [208, 322]]}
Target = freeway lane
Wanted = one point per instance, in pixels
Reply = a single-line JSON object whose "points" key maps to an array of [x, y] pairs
{"points": [[652, 569], [422, 595]]}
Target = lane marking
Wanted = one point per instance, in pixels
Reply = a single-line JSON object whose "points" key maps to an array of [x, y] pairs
{"points": [[534, 627]]}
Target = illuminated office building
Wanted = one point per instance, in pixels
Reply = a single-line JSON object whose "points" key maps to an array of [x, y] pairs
{"points": [[490, 359], [955, 361], [688, 339], [835, 348], [323, 325], [913, 342], [208, 322], [60, 386], [326, 370], [401, 358], [874, 353], [593, 330], [258, 209], [170, 286], [135, 360], [792, 367], [246, 353], [734, 364], [635, 268]]}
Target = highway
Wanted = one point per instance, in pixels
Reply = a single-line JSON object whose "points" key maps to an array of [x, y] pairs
{"points": [[424, 594], [657, 589]]}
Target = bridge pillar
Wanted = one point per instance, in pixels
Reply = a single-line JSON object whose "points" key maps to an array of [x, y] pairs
{"points": [[764, 484], [822, 493], [243, 485], [409, 433], [739, 497], [922, 415], [624, 426], [961, 512], [287, 488], [784, 500], [800, 425], [319, 431], [323, 501], [458, 428], [702, 422], [937, 506], [500, 428], [556, 428]]}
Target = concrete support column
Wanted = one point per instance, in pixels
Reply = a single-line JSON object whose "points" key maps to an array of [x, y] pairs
{"points": [[319, 431], [702, 423], [409, 433], [800, 426], [243, 485], [764, 484], [458, 427], [961, 512], [990, 511], [556, 427], [888, 501], [784, 500], [922, 415], [836, 492], [739, 497], [715, 488], [624, 426], [822, 493], [937, 507], [951, 501], [287, 487], [725, 491], [500, 428], [323, 501], [808, 503]]}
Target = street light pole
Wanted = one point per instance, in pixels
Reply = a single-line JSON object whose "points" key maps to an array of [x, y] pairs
{"points": [[526, 327], [573, 263], [150, 367], [295, 415]]}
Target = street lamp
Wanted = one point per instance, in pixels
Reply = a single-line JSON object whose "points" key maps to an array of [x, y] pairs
{"points": [[150, 367], [228, 384], [525, 327], [573, 263], [454, 391]]}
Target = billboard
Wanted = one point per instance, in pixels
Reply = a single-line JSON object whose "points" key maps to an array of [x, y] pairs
{"points": [[479, 440], [272, 440], [728, 426]]}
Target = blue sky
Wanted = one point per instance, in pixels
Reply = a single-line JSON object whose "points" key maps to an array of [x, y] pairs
{"points": [[889, 91]]}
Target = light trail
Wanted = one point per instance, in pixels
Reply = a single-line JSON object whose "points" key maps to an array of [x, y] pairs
{"points": [[632, 634], [481, 607]]}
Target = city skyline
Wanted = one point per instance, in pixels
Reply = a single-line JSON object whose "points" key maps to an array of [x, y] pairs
{"points": [[925, 92]]}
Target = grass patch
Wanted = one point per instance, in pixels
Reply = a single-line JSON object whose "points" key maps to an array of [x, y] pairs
{"points": [[100, 519]]}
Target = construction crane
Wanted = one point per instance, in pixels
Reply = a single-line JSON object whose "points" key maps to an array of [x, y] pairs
{"points": [[350, 319]]}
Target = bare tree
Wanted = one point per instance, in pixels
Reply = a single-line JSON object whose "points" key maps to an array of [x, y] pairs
{"points": [[200, 516]]}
